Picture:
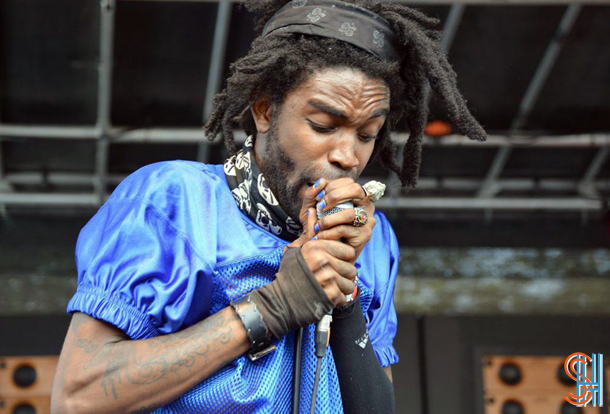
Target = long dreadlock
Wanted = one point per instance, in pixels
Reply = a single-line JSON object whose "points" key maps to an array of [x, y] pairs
{"points": [[278, 64]]}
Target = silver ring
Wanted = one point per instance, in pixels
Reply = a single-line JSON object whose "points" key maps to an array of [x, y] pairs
{"points": [[360, 217], [374, 190]]}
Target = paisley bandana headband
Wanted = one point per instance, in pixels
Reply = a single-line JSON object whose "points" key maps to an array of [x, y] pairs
{"points": [[254, 197], [338, 20]]}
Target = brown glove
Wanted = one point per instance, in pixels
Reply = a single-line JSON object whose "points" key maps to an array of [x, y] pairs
{"points": [[294, 299]]}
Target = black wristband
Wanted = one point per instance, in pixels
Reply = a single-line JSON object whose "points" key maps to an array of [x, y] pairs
{"points": [[260, 343]]}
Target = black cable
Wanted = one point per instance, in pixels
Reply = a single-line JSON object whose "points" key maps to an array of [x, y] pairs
{"points": [[315, 386], [296, 390]]}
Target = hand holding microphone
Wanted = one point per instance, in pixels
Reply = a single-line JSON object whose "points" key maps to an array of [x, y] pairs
{"points": [[317, 271], [339, 220], [322, 257], [346, 216]]}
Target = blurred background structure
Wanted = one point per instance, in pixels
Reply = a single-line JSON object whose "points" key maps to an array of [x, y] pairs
{"points": [[505, 244]]}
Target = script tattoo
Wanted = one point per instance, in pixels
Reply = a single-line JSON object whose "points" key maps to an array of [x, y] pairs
{"points": [[86, 344], [148, 361]]}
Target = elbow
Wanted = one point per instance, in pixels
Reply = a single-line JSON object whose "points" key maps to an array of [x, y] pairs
{"points": [[66, 405], [69, 399], [71, 405]]}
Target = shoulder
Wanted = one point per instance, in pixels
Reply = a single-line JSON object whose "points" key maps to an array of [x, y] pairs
{"points": [[169, 179], [185, 198]]}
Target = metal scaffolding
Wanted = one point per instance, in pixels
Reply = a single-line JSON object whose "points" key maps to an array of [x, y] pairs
{"points": [[478, 193], [490, 185]]}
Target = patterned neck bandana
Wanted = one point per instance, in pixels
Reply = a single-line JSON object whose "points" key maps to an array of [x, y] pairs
{"points": [[254, 197], [338, 20]]}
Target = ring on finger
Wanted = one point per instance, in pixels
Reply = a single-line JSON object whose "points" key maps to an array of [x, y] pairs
{"points": [[360, 218], [373, 190]]}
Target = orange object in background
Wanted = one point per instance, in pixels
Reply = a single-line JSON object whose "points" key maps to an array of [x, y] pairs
{"points": [[437, 128], [25, 384]]}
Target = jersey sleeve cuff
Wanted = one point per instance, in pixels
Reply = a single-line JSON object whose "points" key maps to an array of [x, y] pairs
{"points": [[97, 304], [386, 355]]}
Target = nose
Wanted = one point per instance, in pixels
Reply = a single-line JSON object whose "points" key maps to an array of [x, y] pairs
{"points": [[343, 154]]}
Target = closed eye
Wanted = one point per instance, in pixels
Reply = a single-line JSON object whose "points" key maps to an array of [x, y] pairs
{"points": [[367, 138], [321, 128], [328, 130]]}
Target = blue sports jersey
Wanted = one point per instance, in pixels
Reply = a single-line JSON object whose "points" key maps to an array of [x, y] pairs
{"points": [[170, 247]]}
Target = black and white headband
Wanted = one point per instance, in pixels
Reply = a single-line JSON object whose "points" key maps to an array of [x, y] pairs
{"points": [[338, 20]]}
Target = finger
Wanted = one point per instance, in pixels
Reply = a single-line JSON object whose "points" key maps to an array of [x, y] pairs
{"points": [[328, 253], [310, 224], [332, 284], [339, 289], [346, 216], [346, 286], [308, 229], [339, 182], [352, 235], [309, 198], [337, 249], [332, 197], [345, 269], [337, 297]]}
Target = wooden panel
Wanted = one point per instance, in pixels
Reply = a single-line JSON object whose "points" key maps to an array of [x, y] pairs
{"points": [[42, 404], [533, 404], [539, 390], [44, 367]]}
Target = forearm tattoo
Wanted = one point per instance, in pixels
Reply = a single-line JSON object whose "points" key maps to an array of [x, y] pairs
{"points": [[147, 361]]}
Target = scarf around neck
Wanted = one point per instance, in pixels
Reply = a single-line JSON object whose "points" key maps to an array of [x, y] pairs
{"points": [[254, 197]]}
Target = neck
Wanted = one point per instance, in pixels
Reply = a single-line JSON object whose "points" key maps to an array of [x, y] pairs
{"points": [[260, 144]]}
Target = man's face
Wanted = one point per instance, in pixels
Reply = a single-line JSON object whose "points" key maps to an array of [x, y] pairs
{"points": [[326, 128]]}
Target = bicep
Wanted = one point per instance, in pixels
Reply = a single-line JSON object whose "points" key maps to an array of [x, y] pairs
{"points": [[88, 334]]}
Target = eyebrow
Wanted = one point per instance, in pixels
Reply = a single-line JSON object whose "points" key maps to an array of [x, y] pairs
{"points": [[336, 112]]}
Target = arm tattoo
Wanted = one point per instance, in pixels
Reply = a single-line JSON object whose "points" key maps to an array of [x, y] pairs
{"points": [[86, 344], [165, 355]]}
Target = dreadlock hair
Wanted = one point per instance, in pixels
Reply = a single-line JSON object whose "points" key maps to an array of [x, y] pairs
{"points": [[280, 63]]}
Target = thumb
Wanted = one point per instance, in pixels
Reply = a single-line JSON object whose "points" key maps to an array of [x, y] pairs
{"points": [[311, 219]]}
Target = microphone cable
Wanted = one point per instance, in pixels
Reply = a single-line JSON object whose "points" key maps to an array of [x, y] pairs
{"points": [[298, 356], [322, 336]]}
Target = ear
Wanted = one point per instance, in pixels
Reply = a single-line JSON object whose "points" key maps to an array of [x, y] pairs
{"points": [[262, 114]]}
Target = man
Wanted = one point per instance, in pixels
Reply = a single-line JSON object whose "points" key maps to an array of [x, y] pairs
{"points": [[194, 279]]}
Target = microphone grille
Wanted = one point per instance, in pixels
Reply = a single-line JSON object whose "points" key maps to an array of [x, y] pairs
{"points": [[335, 209]]}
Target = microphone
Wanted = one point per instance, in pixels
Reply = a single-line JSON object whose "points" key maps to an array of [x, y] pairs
{"points": [[336, 209], [322, 336], [339, 207]]}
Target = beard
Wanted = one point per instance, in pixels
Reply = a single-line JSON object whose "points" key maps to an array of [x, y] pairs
{"points": [[283, 178]]}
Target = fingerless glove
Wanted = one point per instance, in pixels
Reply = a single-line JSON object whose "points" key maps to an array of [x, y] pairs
{"points": [[294, 299]]}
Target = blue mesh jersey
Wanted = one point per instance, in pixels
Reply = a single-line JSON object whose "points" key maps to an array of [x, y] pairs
{"points": [[170, 247]]}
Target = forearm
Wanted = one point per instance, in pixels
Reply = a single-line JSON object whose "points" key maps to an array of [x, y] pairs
{"points": [[365, 386], [128, 376]]}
